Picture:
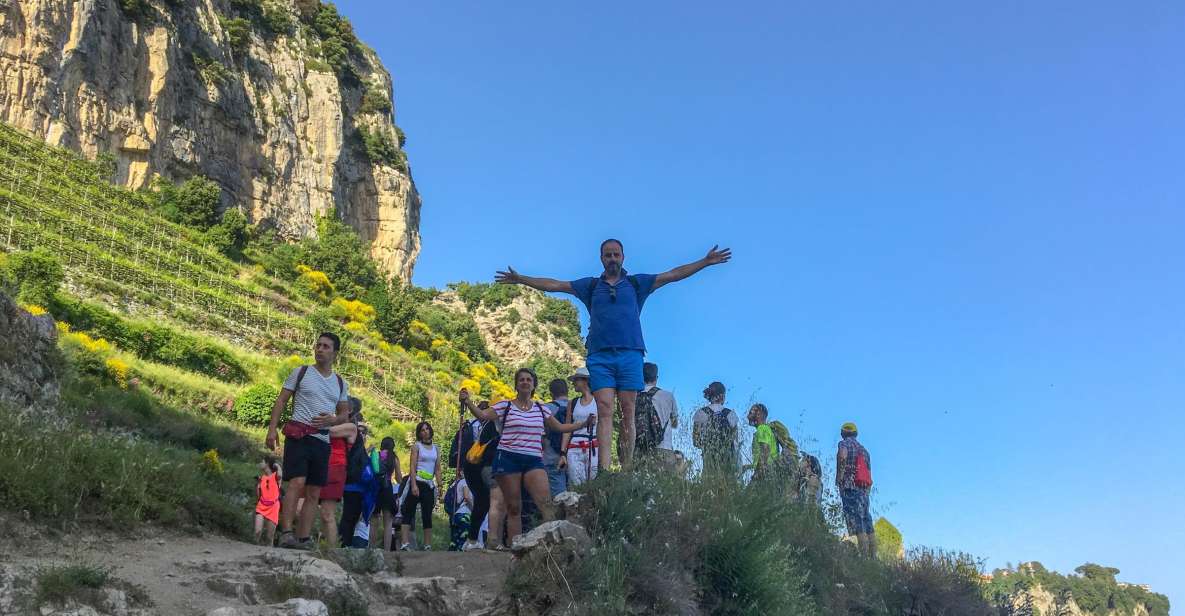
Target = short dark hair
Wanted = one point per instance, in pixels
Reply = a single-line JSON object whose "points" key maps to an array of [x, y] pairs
{"points": [[388, 444], [649, 372], [355, 407], [337, 342], [761, 408], [558, 387], [612, 241]]}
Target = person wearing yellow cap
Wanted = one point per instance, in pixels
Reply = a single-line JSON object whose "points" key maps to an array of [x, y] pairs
{"points": [[853, 479]]}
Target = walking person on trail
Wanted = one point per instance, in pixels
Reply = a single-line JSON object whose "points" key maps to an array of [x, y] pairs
{"points": [[765, 444], [580, 447], [786, 465], [361, 490], [390, 475], [714, 433], [267, 502], [320, 401], [477, 467], [557, 478], [342, 439], [614, 300], [422, 483], [853, 478], [458, 504], [657, 410], [519, 460]]}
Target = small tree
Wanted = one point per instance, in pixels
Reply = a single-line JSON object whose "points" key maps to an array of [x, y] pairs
{"points": [[229, 236], [35, 275], [193, 203]]}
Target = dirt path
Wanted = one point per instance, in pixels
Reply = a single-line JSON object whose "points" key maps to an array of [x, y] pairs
{"points": [[174, 567]]}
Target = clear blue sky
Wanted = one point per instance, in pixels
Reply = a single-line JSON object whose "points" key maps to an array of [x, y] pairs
{"points": [[962, 227]]}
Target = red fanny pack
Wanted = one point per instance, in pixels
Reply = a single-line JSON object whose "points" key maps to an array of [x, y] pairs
{"points": [[266, 502], [583, 444], [295, 429]]}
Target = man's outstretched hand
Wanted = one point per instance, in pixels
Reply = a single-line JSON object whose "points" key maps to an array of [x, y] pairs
{"points": [[716, 256], [507, 277]]}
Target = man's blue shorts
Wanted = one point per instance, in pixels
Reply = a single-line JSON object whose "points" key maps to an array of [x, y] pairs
{"points": [[856, 515], [615, 369]]}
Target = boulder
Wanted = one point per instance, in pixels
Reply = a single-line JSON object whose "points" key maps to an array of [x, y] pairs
{"points": [[291, 607], [430, 596], [573, 507], [557, 533]]}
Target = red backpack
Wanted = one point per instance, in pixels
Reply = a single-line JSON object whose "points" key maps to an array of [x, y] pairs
{"points": [[863, 472]]}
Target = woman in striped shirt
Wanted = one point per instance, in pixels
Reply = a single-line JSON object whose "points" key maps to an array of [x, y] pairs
{"points": [[522, 422]]}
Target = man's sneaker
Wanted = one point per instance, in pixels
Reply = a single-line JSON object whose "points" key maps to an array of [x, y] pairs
{"points": [[405, 547], [288, 540], [428, 548], [471, 546]]}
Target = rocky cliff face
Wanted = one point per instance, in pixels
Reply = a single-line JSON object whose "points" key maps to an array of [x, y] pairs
{"points": [[516, 333], [273, 99]]}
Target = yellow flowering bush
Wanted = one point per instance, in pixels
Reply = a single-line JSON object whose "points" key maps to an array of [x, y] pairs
{"points": [[501, 391], [444, 378], [352, 310], [212, 464], [316, 282], [478, 372], [62, 327], [423, 356], [33, 309], [471, 385], [355, 327], [438, 342], [118, 370], [385, 346]]}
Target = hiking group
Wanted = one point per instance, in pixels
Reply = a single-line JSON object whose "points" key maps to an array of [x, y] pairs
{"points": [[514, 456]]}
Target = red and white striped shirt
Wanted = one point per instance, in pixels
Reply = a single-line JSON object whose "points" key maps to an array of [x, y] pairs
{"points": [[522, 431]]}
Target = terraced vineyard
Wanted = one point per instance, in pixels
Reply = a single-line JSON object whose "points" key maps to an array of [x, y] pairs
{"points": [[118, 250]]}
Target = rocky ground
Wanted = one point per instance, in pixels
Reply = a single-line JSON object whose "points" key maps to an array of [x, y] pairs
{"points": [[164, 572]]}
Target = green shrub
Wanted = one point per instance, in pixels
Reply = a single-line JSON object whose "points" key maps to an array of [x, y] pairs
{"points": [[375, 100], [401, 136], [229, 237], [381, 149], [561, 313], [889, 544], [150, 340], [36, 275], [254, 406], [238, 32], [457, 327], [193, 203], [276, 19], [413, 396], [59, 584], [492, 296], [394, 310], [212, 72], [512, 316], [342, 255]]}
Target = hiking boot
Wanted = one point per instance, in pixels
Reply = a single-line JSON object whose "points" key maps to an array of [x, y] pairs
{"points": [[288, 541]]}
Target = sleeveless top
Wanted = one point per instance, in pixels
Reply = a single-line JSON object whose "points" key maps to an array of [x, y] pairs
{"points": [[426, 465], [269, 490]]}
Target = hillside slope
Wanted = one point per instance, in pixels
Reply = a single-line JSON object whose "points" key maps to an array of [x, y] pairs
{"points": [[275, 100]]}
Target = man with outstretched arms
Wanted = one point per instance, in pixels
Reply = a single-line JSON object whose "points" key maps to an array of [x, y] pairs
{"points": [[615, 346]]}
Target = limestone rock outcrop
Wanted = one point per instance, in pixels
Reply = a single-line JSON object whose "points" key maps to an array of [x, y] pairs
{"points": [[29, 362], [515, 332], [177, 88]]}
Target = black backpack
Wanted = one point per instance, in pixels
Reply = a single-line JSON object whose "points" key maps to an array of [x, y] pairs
{"points": [[648, 426], [561, 415], [356, 460], [719, 433], [452, 497]]}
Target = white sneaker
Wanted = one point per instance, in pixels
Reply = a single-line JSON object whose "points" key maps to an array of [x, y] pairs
{"points": [[405, 547], [471, 546]]}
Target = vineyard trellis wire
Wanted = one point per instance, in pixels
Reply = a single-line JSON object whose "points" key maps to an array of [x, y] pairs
{"points": [[109, 236]]}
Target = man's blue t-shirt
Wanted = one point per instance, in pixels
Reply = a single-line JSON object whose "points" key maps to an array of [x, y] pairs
{"points": [[614, 323]]}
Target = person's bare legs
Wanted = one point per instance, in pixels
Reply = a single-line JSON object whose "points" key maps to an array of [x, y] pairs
{"points": [[288, 507], [540, 491], [626, 438], [388, 530], [308, 513], [271, 534], [329, 523], [496, 516], [605, 398], [405, 534], [512, 494]]}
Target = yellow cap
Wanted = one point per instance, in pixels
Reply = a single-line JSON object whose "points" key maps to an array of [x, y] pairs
{"points": [[848, 427]]}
